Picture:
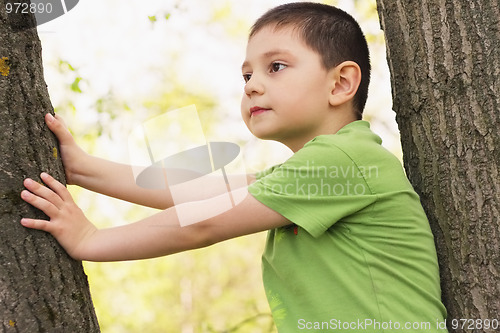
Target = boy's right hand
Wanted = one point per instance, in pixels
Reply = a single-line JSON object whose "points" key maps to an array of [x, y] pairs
{"points": [[66, 223], [72, 155]]}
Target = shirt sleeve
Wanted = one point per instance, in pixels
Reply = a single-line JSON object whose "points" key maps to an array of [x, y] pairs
{"points": [[318, 186]]}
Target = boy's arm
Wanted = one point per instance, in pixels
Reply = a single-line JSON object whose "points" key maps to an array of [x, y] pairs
{"points": [[115, 179], [99, 175], [158, 235]]}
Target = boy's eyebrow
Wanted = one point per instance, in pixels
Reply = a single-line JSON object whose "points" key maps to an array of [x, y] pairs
{"points": [[269, 54]]}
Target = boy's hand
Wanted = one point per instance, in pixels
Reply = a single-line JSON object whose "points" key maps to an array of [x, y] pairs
{"points": [[72, 155], [67, 222]]}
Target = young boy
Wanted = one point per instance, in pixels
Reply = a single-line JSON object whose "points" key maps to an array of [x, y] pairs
{"points": [[349, 247]]}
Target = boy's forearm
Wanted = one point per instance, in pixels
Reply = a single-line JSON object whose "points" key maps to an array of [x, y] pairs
{"points": [[117, 180], [162, 233], [155, 236]]}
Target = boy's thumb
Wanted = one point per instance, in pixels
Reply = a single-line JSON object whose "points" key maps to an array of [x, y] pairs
{"points": [[55, 126], [49, 118]]}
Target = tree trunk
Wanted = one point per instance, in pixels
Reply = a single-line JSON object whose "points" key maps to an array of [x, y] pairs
{"points": [[41, 288], [444, 60]]}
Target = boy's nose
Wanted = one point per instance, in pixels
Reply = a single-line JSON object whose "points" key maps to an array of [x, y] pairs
{"points": [[254, 86]]}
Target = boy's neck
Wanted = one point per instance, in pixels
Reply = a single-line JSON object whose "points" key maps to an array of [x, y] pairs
{"points": [[331, 126]]}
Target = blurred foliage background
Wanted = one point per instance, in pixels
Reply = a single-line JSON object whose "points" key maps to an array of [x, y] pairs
{"points": [[109, 67]]}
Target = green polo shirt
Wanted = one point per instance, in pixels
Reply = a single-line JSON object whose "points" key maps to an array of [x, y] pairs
{"points": [[359, 256]]}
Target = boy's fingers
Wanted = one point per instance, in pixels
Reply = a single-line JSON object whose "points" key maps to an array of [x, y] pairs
{"points": [[45, 206], [49, 199], [57, 126], [36, 224], [43, 192], [55, 185], [50, 120]]}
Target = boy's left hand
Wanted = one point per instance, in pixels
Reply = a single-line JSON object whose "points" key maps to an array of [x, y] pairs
{"points": [[67, 222]]}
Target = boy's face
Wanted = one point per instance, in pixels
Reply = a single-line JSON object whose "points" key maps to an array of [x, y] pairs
{"points": [[286, 96]]}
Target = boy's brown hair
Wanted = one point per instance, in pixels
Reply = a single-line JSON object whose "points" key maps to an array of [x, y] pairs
{"points": [[332, 33]]}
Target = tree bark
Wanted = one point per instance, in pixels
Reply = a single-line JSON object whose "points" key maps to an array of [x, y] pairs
{"points": [[444, 60], [41, 288]]}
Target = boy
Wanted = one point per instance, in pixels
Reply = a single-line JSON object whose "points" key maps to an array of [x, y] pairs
{"points": [[349, 247]]}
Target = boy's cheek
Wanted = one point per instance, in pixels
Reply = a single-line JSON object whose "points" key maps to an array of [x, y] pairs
{"points": [[245, 109]]}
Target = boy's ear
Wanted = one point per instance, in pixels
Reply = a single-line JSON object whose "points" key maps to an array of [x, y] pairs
{"points": [[345, 79]]}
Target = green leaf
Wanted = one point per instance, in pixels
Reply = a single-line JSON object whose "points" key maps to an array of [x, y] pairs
{"points": [[63, 64], [75, 85]]}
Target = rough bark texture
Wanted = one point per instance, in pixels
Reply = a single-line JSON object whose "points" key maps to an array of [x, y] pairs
{"points": [[444, 59], [41, 288]]}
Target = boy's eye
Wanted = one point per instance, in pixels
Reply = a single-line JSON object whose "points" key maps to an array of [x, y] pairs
{"points": [[247, 77], [276, 67]]}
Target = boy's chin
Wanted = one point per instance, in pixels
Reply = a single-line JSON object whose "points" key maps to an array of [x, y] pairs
{"points": [[263, 135], [270, 138]]}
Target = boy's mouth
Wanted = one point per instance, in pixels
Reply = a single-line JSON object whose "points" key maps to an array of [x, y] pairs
{"points": [[257, 110]]}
